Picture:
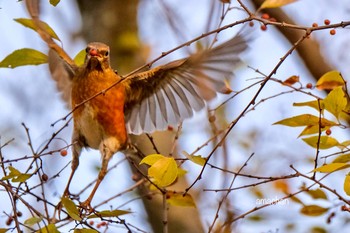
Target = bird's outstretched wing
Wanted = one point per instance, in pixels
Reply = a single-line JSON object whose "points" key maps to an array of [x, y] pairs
{"points": [[62, 66], [167, 94], [62, 73]]}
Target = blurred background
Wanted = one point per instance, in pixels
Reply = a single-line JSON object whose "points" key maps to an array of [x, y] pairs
{"points": [[139, 31]]}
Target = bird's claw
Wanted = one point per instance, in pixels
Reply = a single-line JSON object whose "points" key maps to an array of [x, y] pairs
{"points": [[86, 205]]}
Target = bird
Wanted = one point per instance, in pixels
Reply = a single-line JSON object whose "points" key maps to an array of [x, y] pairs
{"points": [[107, 107]]}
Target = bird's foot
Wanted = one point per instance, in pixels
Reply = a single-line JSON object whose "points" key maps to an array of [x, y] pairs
{"points": [[86, 205]]}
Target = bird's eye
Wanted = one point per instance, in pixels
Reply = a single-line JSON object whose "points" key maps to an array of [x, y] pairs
{"points": [[106, 53], [87, 50]]}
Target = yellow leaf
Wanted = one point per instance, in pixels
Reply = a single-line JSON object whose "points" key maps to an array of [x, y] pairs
{"points": [[197, 159], [31, 221], [151, 159], [305, 120], [282, 185], [4, 230], [312, 129], [344, 145], [347, 184], [109, 213], [30, 24], [164, 171], [345, 158], [313, 210], [330, 80], [313, 104], [296, 200], [16, 175], [23, 57], [332, 167], [325, 142], [71, 208], [79, 59], [181, 172], [178, 199], [51, 228], [317, 194], [85, 230], [275, 3], [335, 102]]}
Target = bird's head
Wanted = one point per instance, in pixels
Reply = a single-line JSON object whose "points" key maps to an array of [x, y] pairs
{"points": [[97, 56]]}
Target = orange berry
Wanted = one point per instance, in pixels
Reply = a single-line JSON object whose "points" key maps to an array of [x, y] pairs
{"points": [[328, 131], [309, 85], [251, 24], [327, 22], [265, 16], [103, 224], [332, 32], [91, 222], [263, 27], [314, 25], [272, 20], [170, 128], [135, 177], [63, 153], [212, 118]]}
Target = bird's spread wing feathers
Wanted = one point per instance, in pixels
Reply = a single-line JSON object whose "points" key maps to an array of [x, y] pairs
{"points": [[170, 93], [63, 74]]}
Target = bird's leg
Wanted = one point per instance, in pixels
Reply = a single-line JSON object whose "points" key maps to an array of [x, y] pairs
{"points": [[76, 149], [107, 153], [74, 166]]}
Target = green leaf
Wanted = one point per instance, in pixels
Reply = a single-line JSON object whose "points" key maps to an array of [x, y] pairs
{"points": [[178, 199], [313, 210], [33, 220], [345, 158], [151, 159], [317, 194], [275, 3], [54, 2], [23, 57], [85, 230], [29, 23], [325, 142], [164, 171], [197, 159], [51, 228], [109, 213], [330, 80], [332, 167], [347, 184], [79, 59], [335, 102], [305, 120], [71, 208]]}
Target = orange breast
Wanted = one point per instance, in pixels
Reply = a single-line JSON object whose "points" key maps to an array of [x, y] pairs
{"points": [[102, 116]]}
